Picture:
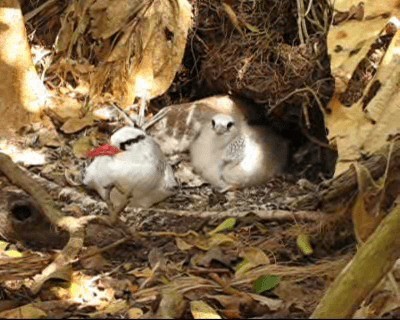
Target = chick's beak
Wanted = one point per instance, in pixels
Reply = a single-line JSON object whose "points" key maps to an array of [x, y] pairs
{"points": [[219, 129]]}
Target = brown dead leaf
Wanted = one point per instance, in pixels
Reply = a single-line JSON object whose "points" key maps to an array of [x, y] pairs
{"points": [[49, 138], [364, 63], [114, 308], [232, 17], [28, 311], [65, 108], [201, 310], [214, 254], [183, 245], [141, 273], [154, 33], [172, 304], [215, 240], [74, 125], [366, 210], [6, 305], [96, 262], [272, 304], [82, 146], [156, 258], [252, 257], [135, 313]]}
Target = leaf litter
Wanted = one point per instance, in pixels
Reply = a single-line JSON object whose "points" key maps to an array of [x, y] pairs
{"points": [[187, 266]]}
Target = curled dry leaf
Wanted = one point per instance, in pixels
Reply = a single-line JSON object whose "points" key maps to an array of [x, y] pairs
{"points": [[215, 240], [65, 108], [183, 245], [252, 257], [172, 304], [365, 59], [272, 304], [74, 125], [201, 310], [113, 308], [49, 138], [214, 254], [140, 44], [96, 262], [28, 311], [366, 213], [135, 313], [82, 146]]}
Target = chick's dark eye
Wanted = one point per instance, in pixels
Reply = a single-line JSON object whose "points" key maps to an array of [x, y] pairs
{"points": [[213, 123], [230, 125]]}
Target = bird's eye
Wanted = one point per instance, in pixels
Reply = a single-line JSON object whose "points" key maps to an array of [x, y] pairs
{"points": [[230, 125], [213, 123]]}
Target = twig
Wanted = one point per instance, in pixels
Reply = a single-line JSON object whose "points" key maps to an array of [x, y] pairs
{"points": [[272, 215], [103, 249], [28, 16]]}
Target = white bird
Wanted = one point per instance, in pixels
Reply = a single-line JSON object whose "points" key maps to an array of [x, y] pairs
{"points": [[138, 174], [231, 154]]}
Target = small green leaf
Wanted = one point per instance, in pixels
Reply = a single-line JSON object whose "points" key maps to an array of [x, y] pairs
{"points": [[265, 283], [227, 224], [303, 242]]}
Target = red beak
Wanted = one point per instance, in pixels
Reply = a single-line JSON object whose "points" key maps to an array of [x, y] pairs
{"points": [[104, 150]]}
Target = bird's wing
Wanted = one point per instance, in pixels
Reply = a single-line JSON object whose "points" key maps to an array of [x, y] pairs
{"points": [[234, 152]]}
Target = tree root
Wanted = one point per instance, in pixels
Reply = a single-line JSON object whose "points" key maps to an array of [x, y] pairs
{"points": [[74, 226]]}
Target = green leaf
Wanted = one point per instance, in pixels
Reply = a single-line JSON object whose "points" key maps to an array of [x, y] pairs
{"points": [[227, 224], [265, 283], [303, 242]]}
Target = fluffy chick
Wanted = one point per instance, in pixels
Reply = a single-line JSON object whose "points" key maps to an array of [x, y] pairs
{"points": [[231, 154]]}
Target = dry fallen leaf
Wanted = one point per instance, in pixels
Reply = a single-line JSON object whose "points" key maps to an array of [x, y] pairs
{"points": [[366, 212], [49, 138], [96, 262], [272, 304], [82, 146], [252, 257], [135, 313], [183, 245], [172, 304], [201, 310], [74, 125], [214, 254], [364, 63], [28, 311]]}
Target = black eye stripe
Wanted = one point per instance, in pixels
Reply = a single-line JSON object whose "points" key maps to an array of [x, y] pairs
{"points": [[129, 142], [230, 124]]}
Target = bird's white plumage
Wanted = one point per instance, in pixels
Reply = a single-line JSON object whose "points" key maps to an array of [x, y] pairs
{"points": [[139, 174], [229, 153]]}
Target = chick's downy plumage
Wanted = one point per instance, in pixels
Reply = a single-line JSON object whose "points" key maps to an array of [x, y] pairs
{"points": [[229, 153], [139, 173]]}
